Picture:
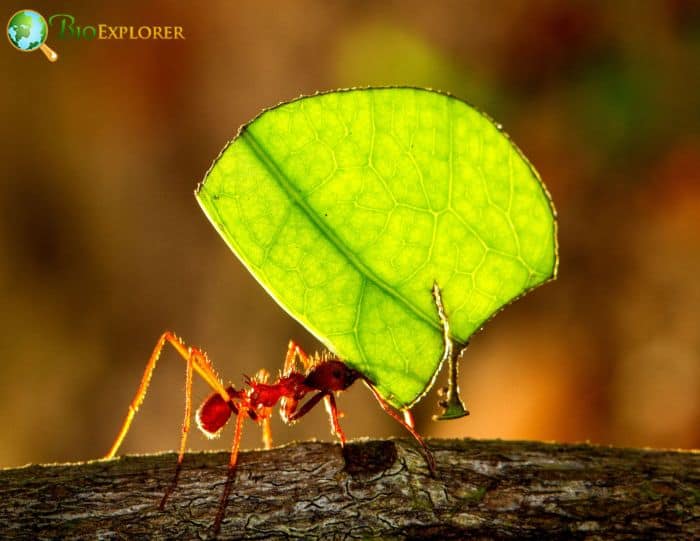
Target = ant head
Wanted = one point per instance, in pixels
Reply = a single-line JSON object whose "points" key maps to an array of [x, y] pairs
{"points": [[332, 375]]}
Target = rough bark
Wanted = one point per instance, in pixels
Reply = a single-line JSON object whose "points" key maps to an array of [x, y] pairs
{"points": [[374, 489]]}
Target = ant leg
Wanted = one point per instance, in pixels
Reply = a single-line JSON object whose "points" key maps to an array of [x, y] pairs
{"points": [[237, 437], [266, 433], [294, 351], [288, 405], [188, 412], [408, 418], [306, 408], [233, 460], [262, 376], [332, 410], [430, 460], [195, 357], [185, 431]]}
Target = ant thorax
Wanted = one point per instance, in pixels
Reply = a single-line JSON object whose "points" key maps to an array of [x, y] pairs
{"points": [[266, 395]]}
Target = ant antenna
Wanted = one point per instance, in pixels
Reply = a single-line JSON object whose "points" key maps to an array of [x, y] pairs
{"points": [[451, 403]]}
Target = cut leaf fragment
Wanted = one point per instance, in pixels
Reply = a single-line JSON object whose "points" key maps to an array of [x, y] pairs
{"points": [[348, 206]]}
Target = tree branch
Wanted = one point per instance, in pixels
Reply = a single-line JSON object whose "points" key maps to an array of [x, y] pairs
{"points": [[374, 489]]}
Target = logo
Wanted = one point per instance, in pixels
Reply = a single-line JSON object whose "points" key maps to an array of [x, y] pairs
{"points": [[68, 29], [27, 31]]}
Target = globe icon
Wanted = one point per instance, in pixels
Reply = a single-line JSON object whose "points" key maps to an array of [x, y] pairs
{"points": [[27, 31]]}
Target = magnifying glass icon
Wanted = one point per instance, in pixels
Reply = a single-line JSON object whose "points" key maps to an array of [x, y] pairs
{"points": [[27, 31]]}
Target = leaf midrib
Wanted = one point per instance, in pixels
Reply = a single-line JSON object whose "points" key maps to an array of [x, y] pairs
{"points": [[290, 189]]}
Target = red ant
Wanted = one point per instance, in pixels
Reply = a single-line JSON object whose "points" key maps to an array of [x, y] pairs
{"points": [[324, 374]]}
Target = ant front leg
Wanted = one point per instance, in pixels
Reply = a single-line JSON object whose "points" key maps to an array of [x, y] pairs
{"points": [[294, 351], [408, 418], [296, 414], [331, 408]]}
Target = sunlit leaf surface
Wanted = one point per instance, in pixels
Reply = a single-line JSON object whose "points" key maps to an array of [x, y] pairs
{"points": [[347, 206]]}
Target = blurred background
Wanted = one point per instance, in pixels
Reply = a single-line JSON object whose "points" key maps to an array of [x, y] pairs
{"points": [[102, 245]]}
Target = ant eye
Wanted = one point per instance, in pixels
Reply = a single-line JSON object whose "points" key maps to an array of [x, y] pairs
{"points": [[336, 374]]}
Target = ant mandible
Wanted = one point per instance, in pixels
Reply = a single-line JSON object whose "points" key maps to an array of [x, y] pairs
{"points": [[324, 374]]}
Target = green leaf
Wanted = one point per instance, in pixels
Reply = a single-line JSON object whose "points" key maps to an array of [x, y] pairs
{"points": [[347, 206]]}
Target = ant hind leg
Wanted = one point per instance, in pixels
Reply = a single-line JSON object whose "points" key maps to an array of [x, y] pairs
{"points": [[183, 440], [193, 356], [196, 361], [233, 460]]}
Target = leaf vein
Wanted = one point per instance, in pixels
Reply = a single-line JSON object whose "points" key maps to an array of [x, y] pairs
{"points": [[288, 186]]}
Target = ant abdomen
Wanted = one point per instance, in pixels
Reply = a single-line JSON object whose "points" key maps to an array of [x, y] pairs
{"points": [[215, 412]]}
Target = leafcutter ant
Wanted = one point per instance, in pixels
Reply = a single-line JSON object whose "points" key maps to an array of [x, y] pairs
{"points": [[320, 375]]}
